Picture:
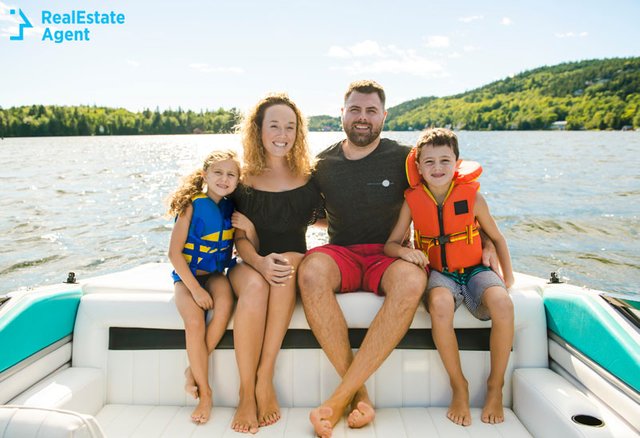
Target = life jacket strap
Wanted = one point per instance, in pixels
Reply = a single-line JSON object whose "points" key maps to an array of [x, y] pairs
{"points": [[425, 243]]}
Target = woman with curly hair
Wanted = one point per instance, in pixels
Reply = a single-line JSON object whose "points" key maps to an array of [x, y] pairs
{"points": [[276, 194]]}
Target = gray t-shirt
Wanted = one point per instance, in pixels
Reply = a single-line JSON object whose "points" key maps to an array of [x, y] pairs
{"points": [[362, 197]]}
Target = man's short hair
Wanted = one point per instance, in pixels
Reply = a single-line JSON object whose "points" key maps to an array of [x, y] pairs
{"points": [[366, 86]]}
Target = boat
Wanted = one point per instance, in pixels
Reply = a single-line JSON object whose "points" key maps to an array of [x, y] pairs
{"points": [[104, 357]]}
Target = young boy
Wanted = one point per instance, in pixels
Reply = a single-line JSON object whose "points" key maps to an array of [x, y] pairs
{"points": [[446, 209]]}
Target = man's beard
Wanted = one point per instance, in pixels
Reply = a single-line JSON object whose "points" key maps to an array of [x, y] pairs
{"points": [[362, 138]]}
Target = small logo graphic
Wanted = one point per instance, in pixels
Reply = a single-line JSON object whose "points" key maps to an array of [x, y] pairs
{"points": [[24, 25]]}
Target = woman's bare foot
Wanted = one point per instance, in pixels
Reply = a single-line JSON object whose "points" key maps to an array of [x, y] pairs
{"points": [[459, 411], [493, 411], [321, 420], [267, 402], [246, 418], [202, 412], [362, 412], [190, 385]]}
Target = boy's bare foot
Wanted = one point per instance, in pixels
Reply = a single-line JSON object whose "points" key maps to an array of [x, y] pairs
{"points": [[190, 385], [321, 421], [493, 411], [459, 411], [246, 419], [267, 402], [362, 412], [202, 412]]}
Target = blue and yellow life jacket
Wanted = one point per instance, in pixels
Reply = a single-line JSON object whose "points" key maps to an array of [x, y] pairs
{"points": [[209, 244]]}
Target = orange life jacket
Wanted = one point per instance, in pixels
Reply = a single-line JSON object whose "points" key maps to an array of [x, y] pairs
{"points": [[447, 234]]}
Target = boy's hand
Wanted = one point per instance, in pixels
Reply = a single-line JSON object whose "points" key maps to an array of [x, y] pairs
{"points": [[202, 298], [415, 256], [508, 281]]}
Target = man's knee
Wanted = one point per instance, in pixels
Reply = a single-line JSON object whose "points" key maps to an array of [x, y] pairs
{"points": [[409, 279], [317, 271]]}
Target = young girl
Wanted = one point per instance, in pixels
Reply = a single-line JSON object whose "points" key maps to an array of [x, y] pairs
{"points": [[446, 208], [200, 251]]}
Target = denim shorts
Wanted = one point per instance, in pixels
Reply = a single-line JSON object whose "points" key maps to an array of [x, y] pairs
{"points": [[468, 290]]}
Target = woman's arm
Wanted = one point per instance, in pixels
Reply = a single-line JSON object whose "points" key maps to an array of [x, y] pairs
{"points": [[394, 247], [176, 244], [490, 228]]}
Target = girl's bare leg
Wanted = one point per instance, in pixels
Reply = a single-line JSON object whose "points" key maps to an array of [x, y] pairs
{"points": [[194, 328]]}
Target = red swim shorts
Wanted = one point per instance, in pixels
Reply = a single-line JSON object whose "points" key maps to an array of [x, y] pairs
{"points": [[361, 266]]}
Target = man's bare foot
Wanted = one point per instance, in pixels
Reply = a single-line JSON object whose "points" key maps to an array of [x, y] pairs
{"points": [[321, 420], [362, 412], [267, 401], [202, 412], [246, 419], [459, 411], [493, 412], [190, 385]]}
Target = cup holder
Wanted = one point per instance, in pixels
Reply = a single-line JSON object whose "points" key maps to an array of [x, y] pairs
{"points": [[587, 420]]}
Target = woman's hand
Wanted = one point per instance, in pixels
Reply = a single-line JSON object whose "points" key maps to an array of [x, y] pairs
{"points": [[276, 269], [202, 298], [414, 256]]}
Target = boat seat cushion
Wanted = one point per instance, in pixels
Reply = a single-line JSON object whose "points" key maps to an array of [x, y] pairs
{"points": [[174, 421], [150, 372], [32, 422]]}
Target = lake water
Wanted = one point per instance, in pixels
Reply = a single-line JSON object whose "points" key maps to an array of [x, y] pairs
{"points": [[566, 202]]}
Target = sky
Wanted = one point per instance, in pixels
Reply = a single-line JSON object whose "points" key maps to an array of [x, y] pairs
{"points": [[205, 55]]}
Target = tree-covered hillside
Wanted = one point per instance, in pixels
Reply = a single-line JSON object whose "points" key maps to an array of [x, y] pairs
{"points": [[596, 94], [45, 120]]}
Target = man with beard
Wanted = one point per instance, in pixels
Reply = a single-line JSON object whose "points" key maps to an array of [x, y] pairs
{"points": [[362, 179]]}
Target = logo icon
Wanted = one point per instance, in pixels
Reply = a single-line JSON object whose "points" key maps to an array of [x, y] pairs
{"points": [[24, 25]]}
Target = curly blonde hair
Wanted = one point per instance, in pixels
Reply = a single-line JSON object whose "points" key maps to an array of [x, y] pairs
{"points": [[193, 183], [299, 158]]}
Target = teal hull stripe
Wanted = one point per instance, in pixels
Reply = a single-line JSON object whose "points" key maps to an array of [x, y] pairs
{"points": [[35, 323], [587, 326]]}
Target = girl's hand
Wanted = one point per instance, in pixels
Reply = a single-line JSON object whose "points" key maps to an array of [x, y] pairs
{"points": [[202, 298], [415, 256], [276, 269], [241, 222]]}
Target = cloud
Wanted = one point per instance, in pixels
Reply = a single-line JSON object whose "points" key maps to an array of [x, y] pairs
{"points": [[506, 21], [362, 49], [370, 57], [437, 41], [338, 52], [206, 68], [471, 18], [133, 63], [572, 35]]}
